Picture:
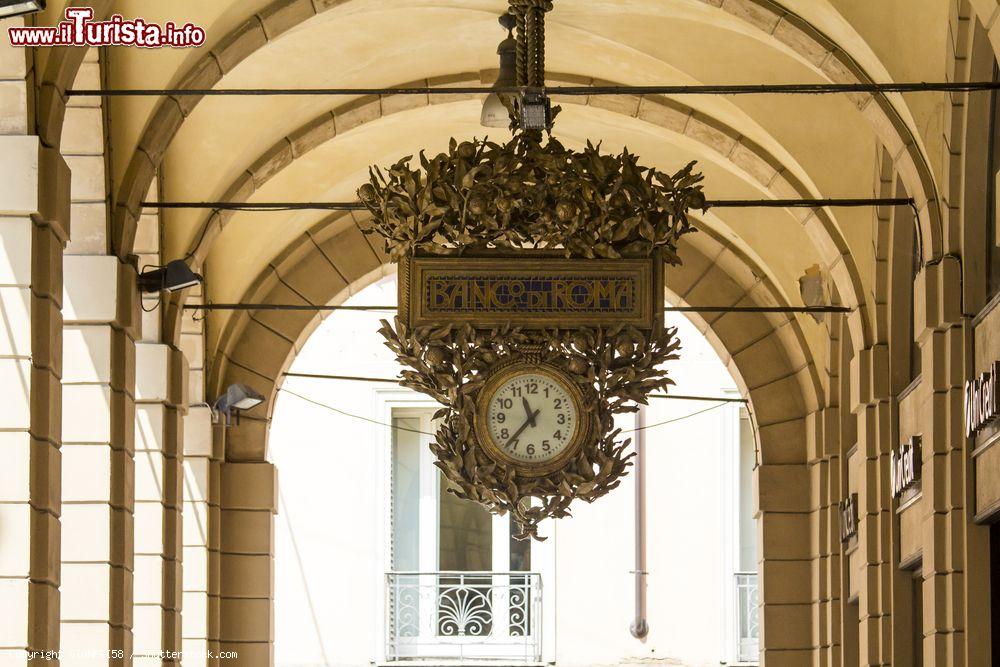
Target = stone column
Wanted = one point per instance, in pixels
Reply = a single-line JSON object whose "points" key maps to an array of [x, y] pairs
{"points": [[161, 404], [101, 312], [871, 405], [847, 426], [204, 451], [940, 335], [783, 519], [824, 473], [204, 444], [249, 503], [160, 382], [34, 226]]}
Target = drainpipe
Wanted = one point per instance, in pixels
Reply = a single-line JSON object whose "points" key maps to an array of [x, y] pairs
{"points": [[640, 627]]}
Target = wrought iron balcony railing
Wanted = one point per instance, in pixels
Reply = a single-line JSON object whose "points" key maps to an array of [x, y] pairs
{"points": [[747, 599], [464, 615]]}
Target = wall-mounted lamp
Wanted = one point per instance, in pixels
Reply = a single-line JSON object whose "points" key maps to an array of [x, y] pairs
{"points": [[10, 8], [498, 109], [236, 399], [176, 275]]}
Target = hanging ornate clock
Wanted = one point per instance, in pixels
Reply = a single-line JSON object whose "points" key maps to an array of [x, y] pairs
{"points": [[531, 416], [531, 304]]}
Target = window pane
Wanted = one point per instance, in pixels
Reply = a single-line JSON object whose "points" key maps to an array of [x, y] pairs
{"points": [[466, 534], [405, 495], [520, 550]]}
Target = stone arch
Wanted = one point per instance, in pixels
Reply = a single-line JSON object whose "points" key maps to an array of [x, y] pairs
{"points": [[765, 352], [793, 32], [969, 159], [61, 69], [762, 168], [332, 261]]}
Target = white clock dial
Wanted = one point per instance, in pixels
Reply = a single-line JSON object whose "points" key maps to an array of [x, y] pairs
{"points": [[532, 417]]}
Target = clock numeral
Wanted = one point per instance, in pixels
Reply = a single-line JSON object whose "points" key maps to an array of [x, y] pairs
{"points": [[546, 392], [501, 417], [516, 391], [512, 445], [545, 443], [560, 418], [531, 449], [506, 403], [504, 433], [532, 388], [558, 405], [558, 435]]}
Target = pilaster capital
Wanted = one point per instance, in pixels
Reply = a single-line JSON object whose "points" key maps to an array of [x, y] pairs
{"points": [[35, 182], [937, 292]]}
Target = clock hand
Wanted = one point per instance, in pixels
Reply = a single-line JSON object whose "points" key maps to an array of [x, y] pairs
{"points": [[527, 411], [525, 425]]}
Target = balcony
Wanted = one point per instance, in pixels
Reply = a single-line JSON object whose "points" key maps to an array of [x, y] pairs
{"points": [[494, 617], [747, 600]]}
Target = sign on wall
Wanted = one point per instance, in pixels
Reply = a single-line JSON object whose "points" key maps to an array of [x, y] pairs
{"points": [[904, 468], [849, 518], [982, 403], [533, 291]]}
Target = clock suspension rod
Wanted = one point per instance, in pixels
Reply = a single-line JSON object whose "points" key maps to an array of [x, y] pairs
{"points": [[389, 309], [268, 207], [355, 378]]}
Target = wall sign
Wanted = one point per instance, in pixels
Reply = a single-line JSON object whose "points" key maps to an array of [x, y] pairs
{"points": [[849, 517], [904, 470], [982, 403], [532, 291]]}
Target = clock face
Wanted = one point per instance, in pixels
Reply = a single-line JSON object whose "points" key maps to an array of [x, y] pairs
{"points": [[531, 417]]}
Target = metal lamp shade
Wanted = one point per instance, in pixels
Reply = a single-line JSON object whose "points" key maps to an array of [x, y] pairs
{"points": [[10, 8]]}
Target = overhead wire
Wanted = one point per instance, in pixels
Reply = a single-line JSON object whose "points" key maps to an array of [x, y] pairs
{"points": [[410, 430], [392, 309], [359, 378], [705, 89], [270, 207]]}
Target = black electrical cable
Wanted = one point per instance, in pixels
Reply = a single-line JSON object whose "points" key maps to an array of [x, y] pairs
{"points": [[410, 430], [669, 309], [358, 206], [356, 378], [284, 306], [710, 89]]}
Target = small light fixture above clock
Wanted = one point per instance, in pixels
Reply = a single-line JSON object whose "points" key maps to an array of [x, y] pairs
{"points": [[498, 108]]}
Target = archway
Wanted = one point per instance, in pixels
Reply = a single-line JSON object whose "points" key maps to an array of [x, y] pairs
{"points": [[764, 352]]}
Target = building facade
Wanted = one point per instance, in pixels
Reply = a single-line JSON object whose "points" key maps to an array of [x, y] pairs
{"points": [[130, 518], [387, 566]]}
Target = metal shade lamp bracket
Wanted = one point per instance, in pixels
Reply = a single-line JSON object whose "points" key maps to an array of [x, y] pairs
{"points": [[236, 399], [11, 8]]}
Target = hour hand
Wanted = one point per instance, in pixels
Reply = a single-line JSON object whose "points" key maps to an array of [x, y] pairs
{"points": [[528, 412], [518, 432]]}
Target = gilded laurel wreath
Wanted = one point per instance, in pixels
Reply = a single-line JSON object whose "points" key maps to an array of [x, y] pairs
{"points": [[526, 194], [616, 369]]}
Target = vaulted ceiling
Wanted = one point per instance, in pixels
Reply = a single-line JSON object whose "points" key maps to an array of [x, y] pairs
{"points": [[319, 148]]}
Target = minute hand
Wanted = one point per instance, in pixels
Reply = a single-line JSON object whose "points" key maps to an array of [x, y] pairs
{"points": [[525, 425]]}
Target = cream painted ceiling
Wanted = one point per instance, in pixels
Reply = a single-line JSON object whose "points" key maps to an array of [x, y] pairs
{"points": [[823, 140]]}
